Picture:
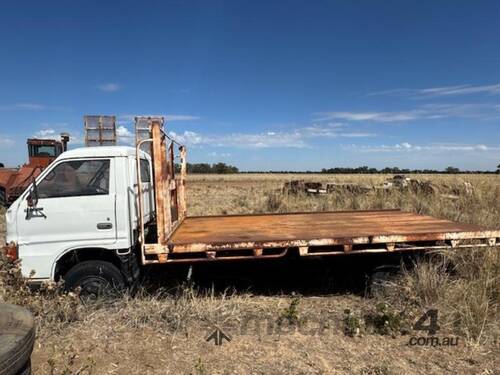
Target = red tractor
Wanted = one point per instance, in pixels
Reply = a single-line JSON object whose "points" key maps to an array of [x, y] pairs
{"points": [[42, 152]]}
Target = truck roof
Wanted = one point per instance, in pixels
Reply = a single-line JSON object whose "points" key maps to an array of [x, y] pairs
{"points": [[101, 151]]}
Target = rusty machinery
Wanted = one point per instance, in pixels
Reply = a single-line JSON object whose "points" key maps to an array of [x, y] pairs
{"points": [[41, 152]]}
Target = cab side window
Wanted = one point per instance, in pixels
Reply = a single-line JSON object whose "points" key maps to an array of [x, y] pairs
{"points": [[145, 175], [76, 178]]}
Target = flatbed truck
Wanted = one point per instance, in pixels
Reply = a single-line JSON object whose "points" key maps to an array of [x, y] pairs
{"points": [[97, 216]]}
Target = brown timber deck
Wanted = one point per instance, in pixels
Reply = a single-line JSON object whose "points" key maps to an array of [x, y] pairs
{"points": [[392, 229]]}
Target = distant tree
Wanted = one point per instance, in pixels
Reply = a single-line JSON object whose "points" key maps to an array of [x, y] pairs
{"points": [[452, 170], [224, 168], [2, 166], [219, 168], [498, 168]]}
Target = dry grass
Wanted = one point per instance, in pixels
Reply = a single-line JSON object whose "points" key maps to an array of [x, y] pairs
{"points": [[256, 193], [159, 332], [2, 226]]}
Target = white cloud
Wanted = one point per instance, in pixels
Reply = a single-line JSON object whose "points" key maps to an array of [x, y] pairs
{"points": [[124, 135], [423, 112], [122, 131], [109, 87], [22, 107], [357, 135], [6, 141], [295, 138], [241, 140], [30, 106], [129, 118], [54, 132], [330, 130], [189, 138], [45, 133], [291, 139], [443, 91], [220, 155], [76, 139], [368, 116], [437, 147], [181, 118]]}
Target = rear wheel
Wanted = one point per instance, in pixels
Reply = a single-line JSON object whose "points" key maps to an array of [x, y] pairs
{"points": [[96, 279], [380, 277]]}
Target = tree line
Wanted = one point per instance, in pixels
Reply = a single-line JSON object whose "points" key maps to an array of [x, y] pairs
{"points": [[386, 170], [396, 170], [216, 168], [223, 168]]}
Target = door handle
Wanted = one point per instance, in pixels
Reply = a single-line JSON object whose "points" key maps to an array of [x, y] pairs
{"points": [[34, 212], [104, 226]]}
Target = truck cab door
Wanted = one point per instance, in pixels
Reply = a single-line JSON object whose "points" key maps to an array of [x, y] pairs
{"points": [[75, 209]]}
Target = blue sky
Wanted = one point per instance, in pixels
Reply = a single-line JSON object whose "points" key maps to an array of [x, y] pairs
{"points": [[263, 85]]}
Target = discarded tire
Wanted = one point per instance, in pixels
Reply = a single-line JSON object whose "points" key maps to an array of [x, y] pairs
{"points": [[3, 197], [17, 335]]}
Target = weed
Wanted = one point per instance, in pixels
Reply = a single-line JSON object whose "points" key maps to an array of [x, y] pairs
{"points": [[353, 323], [67, 362], [291, 313], [200, 367], [375, 370], [385, 320]]}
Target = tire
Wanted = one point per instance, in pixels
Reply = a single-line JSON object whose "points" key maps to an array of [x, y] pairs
{"points": [[26, 370], [17, 336], [3, 197], [381, 276], [96, 279]]}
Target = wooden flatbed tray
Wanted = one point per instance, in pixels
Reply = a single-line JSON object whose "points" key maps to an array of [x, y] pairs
{"points": [[180, 238], [388, 228]]}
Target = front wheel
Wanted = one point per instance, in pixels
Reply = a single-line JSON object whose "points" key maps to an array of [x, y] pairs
{"points": [[96, 279]]}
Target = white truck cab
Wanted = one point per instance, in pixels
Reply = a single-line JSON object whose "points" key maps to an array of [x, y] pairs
{"points": [[81, 213]]}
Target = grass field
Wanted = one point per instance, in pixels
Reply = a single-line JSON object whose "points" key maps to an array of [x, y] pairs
{"points": [[305, 328]]}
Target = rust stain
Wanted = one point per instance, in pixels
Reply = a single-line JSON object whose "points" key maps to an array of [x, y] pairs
{"points": [[181, 184], [159, 177], [162, 258]]}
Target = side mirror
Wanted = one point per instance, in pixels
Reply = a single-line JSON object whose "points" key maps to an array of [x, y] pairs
{"points": [[32, 199], [29, 200]]}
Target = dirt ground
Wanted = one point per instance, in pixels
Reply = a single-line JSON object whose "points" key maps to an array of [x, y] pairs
{"points": [[279, 318], [96, 346]]}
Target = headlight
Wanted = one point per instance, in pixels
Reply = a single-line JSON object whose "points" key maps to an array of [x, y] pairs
{"points": [[11, 251], [10, 224]]}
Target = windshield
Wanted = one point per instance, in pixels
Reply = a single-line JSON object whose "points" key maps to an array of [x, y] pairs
{"points": [[76, 178], [42, 150]]}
